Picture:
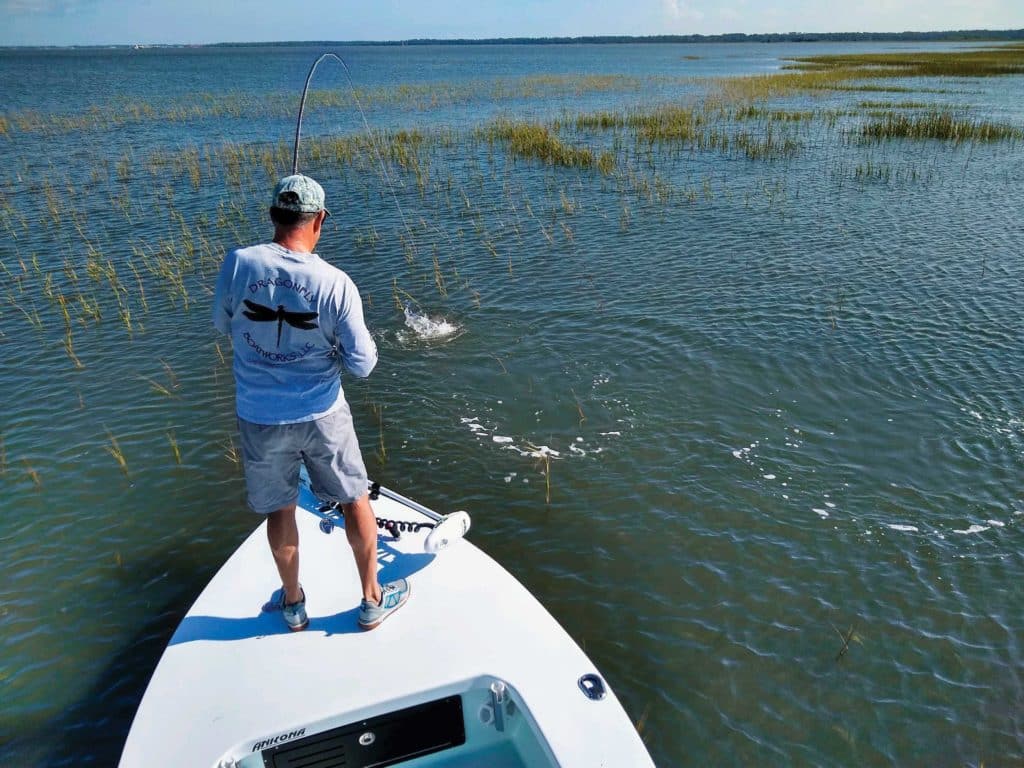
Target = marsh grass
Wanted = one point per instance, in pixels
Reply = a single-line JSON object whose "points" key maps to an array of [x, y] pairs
{"points": [[761, 88], [755, 112], [33, 475], [858, 72], [543, 463], [539, 142], [114, 449], [579, 407], [32, 315], [119, 111], [70, 349], [439, 281], [898, 105], [157, 387], [171, 375], [980, 62], [702, 128], [230, 452], [633, 153], [945, 126], [175, 451], [847, 637]]}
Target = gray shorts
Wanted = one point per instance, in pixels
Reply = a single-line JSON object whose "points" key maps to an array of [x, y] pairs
{"points": [[328, 447]]}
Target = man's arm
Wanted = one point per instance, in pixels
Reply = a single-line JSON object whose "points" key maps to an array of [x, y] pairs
{"points": [[355, 345], [223, 302]]}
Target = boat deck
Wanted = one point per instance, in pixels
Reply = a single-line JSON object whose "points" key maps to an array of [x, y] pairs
{"points": [[234, 680]]}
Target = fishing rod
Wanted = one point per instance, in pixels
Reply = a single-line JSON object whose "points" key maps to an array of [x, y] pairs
{"points": [[408, 231], [366, 125], [444, 529]]}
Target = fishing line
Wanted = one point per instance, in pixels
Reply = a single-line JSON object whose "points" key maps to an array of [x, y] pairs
{"points": [[373, 144], [366, 125]]}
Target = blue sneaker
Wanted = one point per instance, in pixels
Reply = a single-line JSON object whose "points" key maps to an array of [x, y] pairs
{"points": [[393, 596], [294, 614]]}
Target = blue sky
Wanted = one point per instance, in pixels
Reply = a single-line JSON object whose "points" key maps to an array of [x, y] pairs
{"points": [[92, 22]]}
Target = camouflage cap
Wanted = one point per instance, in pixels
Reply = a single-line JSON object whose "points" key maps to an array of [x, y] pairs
{"points": [[298, 193]]}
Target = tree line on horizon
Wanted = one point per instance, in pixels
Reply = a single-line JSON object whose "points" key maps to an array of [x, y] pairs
{"points": [[965, 35], [962, 35]]}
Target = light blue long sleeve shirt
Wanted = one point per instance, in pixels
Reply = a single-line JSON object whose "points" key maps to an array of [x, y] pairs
{"points": [[295, 323]]}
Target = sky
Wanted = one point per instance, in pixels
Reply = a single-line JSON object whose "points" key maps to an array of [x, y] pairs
{"points": [[104, 22]]}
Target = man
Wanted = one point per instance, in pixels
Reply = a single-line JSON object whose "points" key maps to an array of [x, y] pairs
{"points": [[295, 322]]}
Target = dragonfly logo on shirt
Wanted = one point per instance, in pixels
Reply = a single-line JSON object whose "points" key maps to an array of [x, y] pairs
{"points": [[261, 314]]}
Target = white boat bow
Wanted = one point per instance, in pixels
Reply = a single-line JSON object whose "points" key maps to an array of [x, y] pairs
{"points": [[473, 671]]}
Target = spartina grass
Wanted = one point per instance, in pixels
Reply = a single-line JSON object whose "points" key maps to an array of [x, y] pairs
{"points": [[579, 407], [847, 637], [171, 375], [114, 449], [642, 722], [157, 387], [33, 475], [544, 465], [70, 349], [230, 452], [938, 125], [442, 289], [401, 297], [537, 142], [174, 447]]}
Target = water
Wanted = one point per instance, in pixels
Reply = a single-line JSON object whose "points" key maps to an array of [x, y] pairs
{"points": [[776, 406]]}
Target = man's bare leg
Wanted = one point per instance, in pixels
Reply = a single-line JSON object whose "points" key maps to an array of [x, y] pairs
{"points": [[283, 535], [361, 529]]}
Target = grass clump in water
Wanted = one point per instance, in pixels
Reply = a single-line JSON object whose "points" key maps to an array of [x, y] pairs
{"points": [[538, 142], [981, 62], [667, 124], [938, 125], [752, 112], [895, 105], [839, 72]]}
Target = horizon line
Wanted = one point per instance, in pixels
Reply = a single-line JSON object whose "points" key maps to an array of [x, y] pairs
{"points": [[979, 35]]}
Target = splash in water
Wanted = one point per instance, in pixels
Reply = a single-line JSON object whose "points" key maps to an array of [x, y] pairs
{"points": [[427, 328]]}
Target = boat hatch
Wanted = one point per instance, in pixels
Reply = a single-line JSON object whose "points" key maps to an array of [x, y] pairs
{"points": [[380, 741]]}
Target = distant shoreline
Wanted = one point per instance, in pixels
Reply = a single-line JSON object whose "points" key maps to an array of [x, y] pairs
{"points": [[969, 35]]}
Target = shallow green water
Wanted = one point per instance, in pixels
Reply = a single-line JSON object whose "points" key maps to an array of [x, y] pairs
{"points": [[784, 394]]}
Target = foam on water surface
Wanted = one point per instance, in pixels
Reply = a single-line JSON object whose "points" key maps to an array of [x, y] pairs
{"points": [[422, 327], [972, 529]]}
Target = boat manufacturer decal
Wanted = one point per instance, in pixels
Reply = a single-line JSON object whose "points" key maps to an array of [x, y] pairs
{"points": [[272, 742]]}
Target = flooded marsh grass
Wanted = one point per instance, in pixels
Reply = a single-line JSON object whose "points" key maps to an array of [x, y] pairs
{"points": [[944, 126], [981, 62], [121, 112], [624, 146], [618, 260]]}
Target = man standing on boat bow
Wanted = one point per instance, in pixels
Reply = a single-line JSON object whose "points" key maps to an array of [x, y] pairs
{"points": [[295, 323]]}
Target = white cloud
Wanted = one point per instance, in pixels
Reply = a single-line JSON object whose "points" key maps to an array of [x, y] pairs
{"points": [[680, 9]]}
